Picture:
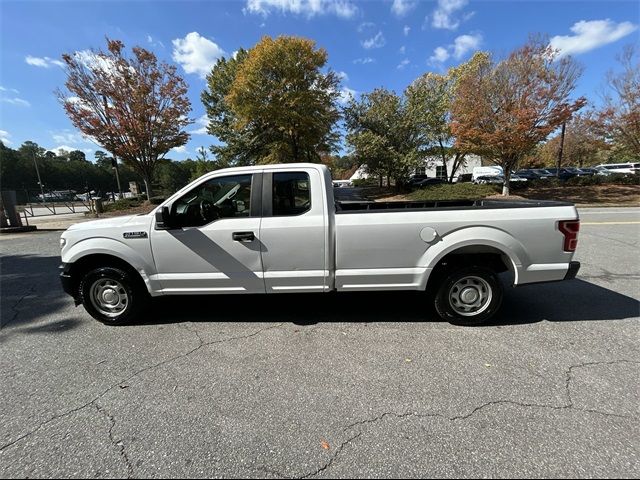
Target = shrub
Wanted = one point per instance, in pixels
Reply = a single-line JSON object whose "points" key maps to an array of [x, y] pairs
{"points": [[156, 200], [123, 204], [365, 182], [613, 179], [455, 191]]}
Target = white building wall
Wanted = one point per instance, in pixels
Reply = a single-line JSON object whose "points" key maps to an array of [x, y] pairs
{"points": [[431, 167]]}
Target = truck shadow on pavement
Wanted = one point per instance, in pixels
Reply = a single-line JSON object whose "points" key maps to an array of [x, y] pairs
{"points": [[32, 301], [575, 300]]}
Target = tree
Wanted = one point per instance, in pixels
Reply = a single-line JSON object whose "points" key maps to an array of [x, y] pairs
{"points": [[503, 110], [77, 156], [430, 99], [135, 107], [383, 134], [619, 119], [281, 92], [241, 146], [581, 146]]}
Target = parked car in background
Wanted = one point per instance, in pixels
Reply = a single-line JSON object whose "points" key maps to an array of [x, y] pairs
{"points": [[464, 177], [485, 172], [563, 174], [342, 183], [413, 179], [619, 167], [577, 172], [529, 174], [589, 171], [425, 182], [499, 179]]}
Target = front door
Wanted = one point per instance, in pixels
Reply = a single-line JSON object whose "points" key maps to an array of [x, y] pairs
{"points": [[216, 247]]}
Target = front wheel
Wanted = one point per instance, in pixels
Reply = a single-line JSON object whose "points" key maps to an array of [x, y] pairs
{"points": [[113, 296], [469, 296]]}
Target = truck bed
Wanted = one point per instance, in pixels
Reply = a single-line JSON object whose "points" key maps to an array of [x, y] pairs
{"points": [[357, 206]]}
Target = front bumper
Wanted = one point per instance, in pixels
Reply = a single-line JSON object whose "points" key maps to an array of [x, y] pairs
{"points": [[69, 284], [573, 270]]}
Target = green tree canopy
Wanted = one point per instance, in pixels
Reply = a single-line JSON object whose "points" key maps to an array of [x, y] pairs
{"points": [[282, 97]]}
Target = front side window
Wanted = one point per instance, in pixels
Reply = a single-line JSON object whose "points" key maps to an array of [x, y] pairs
{"points": [[220, 197], [291, 193]]}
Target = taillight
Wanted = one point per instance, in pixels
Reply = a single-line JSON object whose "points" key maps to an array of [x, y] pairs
{"points": [[570, 229]]}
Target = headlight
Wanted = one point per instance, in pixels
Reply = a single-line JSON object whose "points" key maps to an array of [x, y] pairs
{"points": [[63, 242]]}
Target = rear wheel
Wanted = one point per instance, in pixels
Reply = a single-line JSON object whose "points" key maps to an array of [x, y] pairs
{"points": [[112, 295], [469, 295]]}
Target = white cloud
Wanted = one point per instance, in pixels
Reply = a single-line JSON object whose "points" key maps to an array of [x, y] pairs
{"points": [[61, 149], [406, 30], [589, 35], [43, 62], [343, 76], [403, 64], [11, 90], [402, 50], [181, 149], [443, 16], [196, 54], [458, 49], [440, 54], [4, 137], [375, 42], [346, 94], [68, 136], [365, 26], [401, 7], [202, 122], [364, 61], [309, 8], [465, 44], [154, 42], [15, 101]]}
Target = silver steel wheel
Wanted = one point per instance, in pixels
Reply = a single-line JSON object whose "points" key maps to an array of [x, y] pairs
{"points": [[108, 297], [470, 296]]}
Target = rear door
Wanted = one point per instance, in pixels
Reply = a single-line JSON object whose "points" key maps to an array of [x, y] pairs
{"points": [[293, 231]]}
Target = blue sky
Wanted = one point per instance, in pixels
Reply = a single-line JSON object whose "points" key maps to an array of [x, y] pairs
{"points": [[372, 43]]}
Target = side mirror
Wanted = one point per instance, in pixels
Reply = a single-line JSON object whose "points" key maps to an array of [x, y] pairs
{"points": [[164, 219]]}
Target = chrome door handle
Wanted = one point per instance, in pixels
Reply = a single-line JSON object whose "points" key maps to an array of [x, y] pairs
{"points": [[243, 236]]}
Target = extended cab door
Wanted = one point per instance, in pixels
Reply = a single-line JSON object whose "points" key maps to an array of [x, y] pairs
{"points": [[215, 245], [294, 231]]}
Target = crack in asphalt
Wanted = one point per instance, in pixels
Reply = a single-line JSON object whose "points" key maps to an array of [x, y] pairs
{"points": [[139, 372], [118, 444], [568, 406], [332, 459], [14, 307]]}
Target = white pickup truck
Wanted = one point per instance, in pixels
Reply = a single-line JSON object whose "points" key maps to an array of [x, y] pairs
{"points": [[278, 229]]}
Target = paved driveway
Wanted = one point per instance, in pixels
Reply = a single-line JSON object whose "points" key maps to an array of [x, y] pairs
{"points": [[350, 385]]}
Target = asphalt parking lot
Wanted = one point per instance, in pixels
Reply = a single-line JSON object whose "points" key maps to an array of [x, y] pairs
{"points": [[349, 385]]}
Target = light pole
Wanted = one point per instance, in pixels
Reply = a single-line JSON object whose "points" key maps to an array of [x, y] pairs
{"points": [[114, 164], [564, 124], [39, 179]]}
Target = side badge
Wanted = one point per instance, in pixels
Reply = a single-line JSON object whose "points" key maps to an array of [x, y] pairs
{"points": [[134, 234]]}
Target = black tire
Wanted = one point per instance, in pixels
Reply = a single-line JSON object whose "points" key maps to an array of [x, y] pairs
{"points": [[116, 285], [471, 281]]}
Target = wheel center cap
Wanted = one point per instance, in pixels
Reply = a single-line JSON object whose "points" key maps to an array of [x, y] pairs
{"points": [[109, 296], [469, 295]]}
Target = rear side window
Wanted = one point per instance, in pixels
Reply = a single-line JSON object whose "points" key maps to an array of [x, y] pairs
{"points": [[291, 193]]}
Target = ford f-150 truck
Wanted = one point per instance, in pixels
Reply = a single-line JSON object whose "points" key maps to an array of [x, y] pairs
{"points": [[277, 228]]}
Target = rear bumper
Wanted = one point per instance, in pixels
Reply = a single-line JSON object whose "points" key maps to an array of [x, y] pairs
{"points": [[548, 273], [573, 270]]}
